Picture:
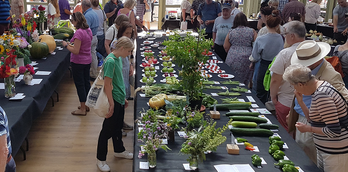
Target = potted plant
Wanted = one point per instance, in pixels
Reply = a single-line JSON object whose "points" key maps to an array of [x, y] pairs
{"points": [[187, 52], [28, 72]]}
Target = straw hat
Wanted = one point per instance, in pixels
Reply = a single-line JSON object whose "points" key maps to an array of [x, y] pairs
{"points": [[309, 52]]}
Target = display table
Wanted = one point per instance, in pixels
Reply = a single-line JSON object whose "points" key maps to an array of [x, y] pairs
{"points": [[172, 161], [22, 113], [170, 24]]}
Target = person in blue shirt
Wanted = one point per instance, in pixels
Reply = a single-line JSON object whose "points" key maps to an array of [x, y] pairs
{"points": [[93, 23], [4, 15], [207, 13], [7, 163]]}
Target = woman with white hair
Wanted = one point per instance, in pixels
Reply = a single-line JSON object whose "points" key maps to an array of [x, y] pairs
{"points": [[312, 15], [128, 11], [327, 116]]}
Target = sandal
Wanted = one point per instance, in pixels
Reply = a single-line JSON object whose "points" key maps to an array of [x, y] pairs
{"points": [[79, 113], [87, 108]]}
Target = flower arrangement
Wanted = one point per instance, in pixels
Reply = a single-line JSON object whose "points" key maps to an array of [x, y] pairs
{"points": [[194, 119], [27, 69], [41, 19], [25, 26]]}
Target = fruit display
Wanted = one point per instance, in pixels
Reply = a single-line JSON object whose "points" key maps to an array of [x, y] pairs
{"points": [[166, 58], [171, 80], [63, 30], [207, 53]]}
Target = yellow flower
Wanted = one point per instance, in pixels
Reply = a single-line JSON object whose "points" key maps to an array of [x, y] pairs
{"points": [[23, 21], [168, 125], [8, 50], [2, 49], [11, 43]]}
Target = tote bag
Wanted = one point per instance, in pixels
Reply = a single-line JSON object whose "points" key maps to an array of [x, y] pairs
{"points": [[96, 98], [183, 25]]}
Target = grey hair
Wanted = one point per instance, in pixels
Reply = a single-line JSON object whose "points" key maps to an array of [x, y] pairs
{"points": [[273, 1], [86, 3], [297, 28], [297, 73]]}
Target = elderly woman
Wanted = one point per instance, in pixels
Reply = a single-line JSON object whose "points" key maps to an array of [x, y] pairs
{"points": [[327, 115]]}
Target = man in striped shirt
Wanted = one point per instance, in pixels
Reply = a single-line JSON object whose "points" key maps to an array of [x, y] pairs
{"points": [[7, 163]]}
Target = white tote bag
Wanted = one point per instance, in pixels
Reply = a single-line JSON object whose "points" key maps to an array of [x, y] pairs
{"points": [[183, 25], [96, 98]]}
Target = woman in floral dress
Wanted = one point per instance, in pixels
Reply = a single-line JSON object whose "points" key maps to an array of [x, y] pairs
{"points": [[238, 45]]}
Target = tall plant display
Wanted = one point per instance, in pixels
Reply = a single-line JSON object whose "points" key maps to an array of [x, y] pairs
{"points": [[187, 52]]}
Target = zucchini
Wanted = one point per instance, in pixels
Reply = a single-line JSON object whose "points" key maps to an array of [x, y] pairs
{"points": [[234, 106], [249, 119], [243, 124], [61, 36], [268, 126], [255, 114], [251, 132]]}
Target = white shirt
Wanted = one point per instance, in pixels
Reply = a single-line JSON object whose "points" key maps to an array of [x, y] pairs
{"points": [[51, 9], [312, 13]]}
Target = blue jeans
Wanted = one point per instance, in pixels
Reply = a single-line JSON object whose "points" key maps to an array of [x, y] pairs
{"points": [[11, 166], [256, 70]]}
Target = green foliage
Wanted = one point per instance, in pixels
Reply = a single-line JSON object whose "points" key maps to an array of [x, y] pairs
{"points": [[187, 52], [194, 119]]}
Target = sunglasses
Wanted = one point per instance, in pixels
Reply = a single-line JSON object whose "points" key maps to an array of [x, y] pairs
{"points": [[228, 2]]}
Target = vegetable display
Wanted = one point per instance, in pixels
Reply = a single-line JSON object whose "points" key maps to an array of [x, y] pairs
{"points": [[254, 114], [157, 101], [235, 106], [251, 132], [227, 93], [208, 100], [273, 148], [241, 140], [289, 168], [248, 119], [39, 50], [212, 87], [239, 89], [49, 40], [268, 126], [243, 124], [256, 160], [230, 100], [281, 163], [229, 82]]}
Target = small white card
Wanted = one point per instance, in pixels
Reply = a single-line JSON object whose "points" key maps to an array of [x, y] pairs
{"points": [[2, 86], [142, 95], [241, 100], [215, 82], [18, 96], [187, 166], [239, 111], [214, 57], [36, 68], [263, 161], [35, 81], [264, 111], [43, 73], [286, 158], [241, 84], [144, 165], [299, 169], [235, 141], [214, 94], [224, 88], [164, 141], [140, 129], [248, 91], [251, 99], [157, 67], [53, 53], [181, 133], [285, 146], [276, 134], [254, 105], [33, 63], [256, 149]]}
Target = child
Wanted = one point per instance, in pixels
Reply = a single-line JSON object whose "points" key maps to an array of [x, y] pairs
{"points": [[115, 90]]}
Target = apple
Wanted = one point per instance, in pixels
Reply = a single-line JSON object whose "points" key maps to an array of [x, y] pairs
{"points": [[144, 64], [151, 80], [153, 73], [147, 68], [165, 63], [170, 69], [151, 68], [165, 69], [169, 64], [171, 74], [166, 74], [144, 79], [147, 73], [150, 61], [154, 61]]}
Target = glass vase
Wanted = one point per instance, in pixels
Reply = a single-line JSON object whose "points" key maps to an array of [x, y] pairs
{"points": [[193, 160], [151, 158], [10, 87]]}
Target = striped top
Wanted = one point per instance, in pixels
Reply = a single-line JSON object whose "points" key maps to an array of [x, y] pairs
{"points": [[4, 130], [329, 111]]}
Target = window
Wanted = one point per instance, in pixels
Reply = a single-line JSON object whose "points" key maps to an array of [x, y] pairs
{"points": [[241, 2], [323, 3]]}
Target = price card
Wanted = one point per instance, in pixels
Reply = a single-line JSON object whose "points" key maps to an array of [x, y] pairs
{"points": [[274, 130], [142, 95], [140, 129], [241, 100], [239, 111], [164, 141], [248, 91], [187, 166], [285, 146], [157, 67], [264, 111], [263, 161], [251, 99], [214, 57], [241, 84], [224, 88], [144, 165], [182, 134], [53, 53], [215, 82], [256, 149], [299, 169], [148, 104], [286, 158], [214, 94], [276, 134], [235, 141], [254, 105]]}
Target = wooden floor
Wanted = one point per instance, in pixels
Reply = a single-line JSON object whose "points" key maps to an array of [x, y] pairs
{"points": [[61, 142]]}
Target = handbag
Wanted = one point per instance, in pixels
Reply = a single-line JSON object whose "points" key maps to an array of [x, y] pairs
{"points": [[96, 98], [183, 25]]}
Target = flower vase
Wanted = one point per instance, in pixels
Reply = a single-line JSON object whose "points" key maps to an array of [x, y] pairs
{"points": [[20, 62], [27, 78], [10, 87], [151, 158], [193, 160], [171, 135]]}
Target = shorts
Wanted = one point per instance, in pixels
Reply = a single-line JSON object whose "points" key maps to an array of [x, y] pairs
{"points": [[147, 16]]}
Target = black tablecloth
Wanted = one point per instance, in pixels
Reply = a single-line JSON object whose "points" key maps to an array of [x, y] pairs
{"points": [[22, 113], [170, 24], [326, 30], [173, 160]]}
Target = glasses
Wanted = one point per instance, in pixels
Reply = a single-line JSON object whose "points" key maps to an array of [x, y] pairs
{"points": [[227, 3]]}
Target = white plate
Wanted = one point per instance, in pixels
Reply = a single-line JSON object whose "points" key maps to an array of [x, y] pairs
{"points": [[170, 59], [147, 42], [161, 48], [151, 39], [150, 71], [141, 65], [228, 77], [175, 75], [155, 45], [170, 72], [154, 81], [152, 63], [214, 66], [206, 75], [168, 66], [214, 61], [146, 76], [147, 47], [217, 71]]}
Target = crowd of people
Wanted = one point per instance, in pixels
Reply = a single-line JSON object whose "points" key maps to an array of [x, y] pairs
{"points": [[277, 63]]}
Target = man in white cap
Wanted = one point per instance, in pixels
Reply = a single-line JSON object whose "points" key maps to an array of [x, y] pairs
{"points": [[282, 92], [311, 54]]}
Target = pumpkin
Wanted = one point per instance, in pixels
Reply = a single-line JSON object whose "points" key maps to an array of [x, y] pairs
{"points": [[157, 101], [49, 40], [39, 50]]}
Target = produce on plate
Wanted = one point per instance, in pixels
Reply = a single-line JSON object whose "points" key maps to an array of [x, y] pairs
{"points": [[207, 82], [239, 89], [251, 132], [248, 119], [256, 160], [269, 126], [249, 146], [235, 106], [241, 140], [243, 124], [254, 114], [171, 80], [227, 93], [279, 143], [157, 101], [207, 53], [281, 163], [229, 82]]}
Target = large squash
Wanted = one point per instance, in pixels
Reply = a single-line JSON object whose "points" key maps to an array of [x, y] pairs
{"points": [[49, 40], [157, 101], [39, 50]]}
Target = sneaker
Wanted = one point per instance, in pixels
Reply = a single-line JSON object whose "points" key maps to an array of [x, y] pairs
{"points": [[127, 127], [103, 166], [124, 133], [124, 154]]}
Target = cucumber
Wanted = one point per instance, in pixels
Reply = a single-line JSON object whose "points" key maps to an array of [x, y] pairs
{"points": [[251, 132], [61, 36], [255, 114], [249, 119], [268, 126], [244, 124], [234, 106]]}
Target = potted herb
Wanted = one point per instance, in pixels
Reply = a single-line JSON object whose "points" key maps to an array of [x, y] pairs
{"points": [[187, 52]]}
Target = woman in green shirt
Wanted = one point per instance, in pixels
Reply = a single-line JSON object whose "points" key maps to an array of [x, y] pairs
{"points": [[115, 91]]}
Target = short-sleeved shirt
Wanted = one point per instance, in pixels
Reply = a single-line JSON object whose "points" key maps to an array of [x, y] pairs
{"points": [[15, 4], [64, 5], [51, 10], [234, 12], [187, 6], [282, 4], [221, 28], [111, 33], [264, 31], [342, 22], [209, 12], [266, 47], [5, 12], [113, 69], [293, 7], [109, 7], [282, 61], [102, 18], [4, 130], [84, 56], [92, 20], [196, 4]]}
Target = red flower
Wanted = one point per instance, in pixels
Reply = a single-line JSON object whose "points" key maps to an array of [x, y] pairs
{"points": [[41, 8], [34, 26], [22, 69]]}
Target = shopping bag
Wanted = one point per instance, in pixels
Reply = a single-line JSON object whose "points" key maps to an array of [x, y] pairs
{"points": [[183, 25], [336, 63], [96, 98]]}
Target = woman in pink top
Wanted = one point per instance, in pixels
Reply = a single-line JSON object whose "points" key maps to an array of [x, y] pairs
{"points": [[80, 58], [128, 11]]}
